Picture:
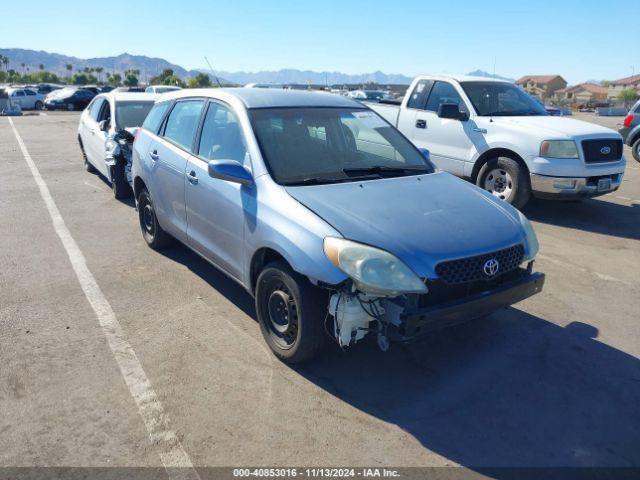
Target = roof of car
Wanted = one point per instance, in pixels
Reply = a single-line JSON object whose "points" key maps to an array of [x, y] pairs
{"points": [[270, 98], [465, 78], [130, 96]]}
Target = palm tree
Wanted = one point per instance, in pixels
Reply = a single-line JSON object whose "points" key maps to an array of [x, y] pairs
{"points": [[99, 71], [23, 65], [2, 63], [41, 66]]}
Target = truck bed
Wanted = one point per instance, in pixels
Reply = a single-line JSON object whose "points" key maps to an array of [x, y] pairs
{"points": [[388, 112]]}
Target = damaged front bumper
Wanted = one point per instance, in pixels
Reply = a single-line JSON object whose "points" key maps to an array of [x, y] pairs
{"points": [[412, 321]]}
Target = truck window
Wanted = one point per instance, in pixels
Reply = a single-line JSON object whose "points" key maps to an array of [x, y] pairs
{"points": [[420, 94], [443, 92]]}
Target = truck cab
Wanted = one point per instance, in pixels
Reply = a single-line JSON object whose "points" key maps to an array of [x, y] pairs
{"points": [[493, 133]]}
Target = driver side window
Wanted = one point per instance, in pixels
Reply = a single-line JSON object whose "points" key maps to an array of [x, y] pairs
{"points": [[222, 137], [444, 92], [94, 110]]}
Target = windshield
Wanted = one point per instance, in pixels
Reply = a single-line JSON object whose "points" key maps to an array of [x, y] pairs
{"points": [[324, 145], [131, 114], [501, 99]]}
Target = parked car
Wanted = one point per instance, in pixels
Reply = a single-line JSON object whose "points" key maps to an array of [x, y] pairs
{"points": [[69, 98], [158, 89], [371, 95], [630, 130], [493, 133], [92, 88], [327, 215], [46, 88], [26, 98], [106, 132], [106, 88]]}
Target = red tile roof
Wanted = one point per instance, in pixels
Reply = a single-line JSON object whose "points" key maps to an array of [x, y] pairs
{"points": [[538, 78], [627, 80]]}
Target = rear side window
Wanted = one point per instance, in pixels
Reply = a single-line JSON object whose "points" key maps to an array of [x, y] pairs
{"points": [[19, 93], [444, 92], [153, 120], [419, 96], [183, 122]]}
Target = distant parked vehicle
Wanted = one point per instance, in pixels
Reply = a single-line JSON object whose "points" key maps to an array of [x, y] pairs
{"points": [[106, 88], [26, 98], [557, 112], [106, 132], [92, 88], [496, 135], [47, 88], [159, 89], [630, 130], [70, 98], [371, 95], [264, 85]]}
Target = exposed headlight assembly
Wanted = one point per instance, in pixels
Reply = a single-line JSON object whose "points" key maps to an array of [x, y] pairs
{"points": [[558, 149], [111, 148], [374, 271], [531, 246]]}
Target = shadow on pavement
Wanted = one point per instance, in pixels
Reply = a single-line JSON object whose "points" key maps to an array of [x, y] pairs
{"points": [[591, 215], [512, 390]]}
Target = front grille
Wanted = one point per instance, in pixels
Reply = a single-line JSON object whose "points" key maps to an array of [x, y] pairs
{"points": [[602, 150], [472, 269]]}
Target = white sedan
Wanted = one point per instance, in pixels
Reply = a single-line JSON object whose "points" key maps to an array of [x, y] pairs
{"points": [[26, 98]]}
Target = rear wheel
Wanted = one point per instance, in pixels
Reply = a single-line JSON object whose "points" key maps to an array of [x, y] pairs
{"points": [[506, 179], [291, 313], [39, 105], [152, 232], [635, 149], [119, 185], [87, 166], [71, 107]]}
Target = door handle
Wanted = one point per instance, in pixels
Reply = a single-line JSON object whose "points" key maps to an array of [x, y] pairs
{"points": [[420, 123], [154, 155], [480, 130], [191, 176]]}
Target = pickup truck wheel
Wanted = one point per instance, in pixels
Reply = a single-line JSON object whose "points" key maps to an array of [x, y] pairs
{"points": [[152, 232], [119, 185], [635, 150], [506, 179], [291, 313]]}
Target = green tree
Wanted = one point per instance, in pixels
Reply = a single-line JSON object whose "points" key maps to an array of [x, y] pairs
{"points": [[167, 77], [628, 96], [131, 78], [99, 71], [201, 80], [115, 80], [83, 79]]}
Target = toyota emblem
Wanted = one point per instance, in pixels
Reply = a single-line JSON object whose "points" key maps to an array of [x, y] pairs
{"points": [[605, 150], [491, 267]]}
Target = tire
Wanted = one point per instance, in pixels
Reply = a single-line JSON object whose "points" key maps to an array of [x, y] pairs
{"points": [[291, 313], [71, 107], [506, 179], [39, 105], [119, 185], [635, 149], [152, 232], [87, 166]]}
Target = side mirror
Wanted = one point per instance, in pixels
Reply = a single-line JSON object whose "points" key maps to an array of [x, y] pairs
{"points": [[425, 153], [451, 110], [103, 126], [231, 171]]}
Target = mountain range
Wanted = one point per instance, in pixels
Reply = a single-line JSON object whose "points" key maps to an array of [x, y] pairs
{"points": [[150, 67]]}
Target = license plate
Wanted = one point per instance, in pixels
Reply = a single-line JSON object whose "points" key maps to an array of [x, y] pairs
{"points": [[604, 184]]}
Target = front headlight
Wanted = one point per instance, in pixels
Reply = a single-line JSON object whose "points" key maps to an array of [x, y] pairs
{"points": [[558, 149], [530, 239], [374, 271]]}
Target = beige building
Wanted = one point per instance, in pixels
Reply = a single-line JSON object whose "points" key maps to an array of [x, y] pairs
{"points": [[582, 94], [617, 86], [542, 86]]}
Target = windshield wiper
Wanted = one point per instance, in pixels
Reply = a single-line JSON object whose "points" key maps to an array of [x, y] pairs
{"points": [[312, 181], [385, 169]]}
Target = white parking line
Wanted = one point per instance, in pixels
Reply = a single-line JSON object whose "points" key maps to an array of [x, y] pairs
{"points": [[175, 460]]}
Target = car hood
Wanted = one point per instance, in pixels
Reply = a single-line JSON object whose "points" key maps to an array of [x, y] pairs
{"points": [[554, 127], [421, 219]]}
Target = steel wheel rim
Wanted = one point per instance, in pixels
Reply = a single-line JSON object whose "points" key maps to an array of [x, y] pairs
{"points": [[281, 313], [148, 220], [499, 183]]}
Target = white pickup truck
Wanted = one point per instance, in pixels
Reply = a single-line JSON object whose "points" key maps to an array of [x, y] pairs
{"points": [[494, 134]]}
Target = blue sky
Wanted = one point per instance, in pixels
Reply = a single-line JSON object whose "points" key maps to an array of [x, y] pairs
{"points": [[580, 40]]}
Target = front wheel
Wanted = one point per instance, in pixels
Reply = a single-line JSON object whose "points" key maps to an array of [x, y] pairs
{"points": [[119, 185], [152, 232], [635, 150], [39, 105], [506, 179], [291, 313]]}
